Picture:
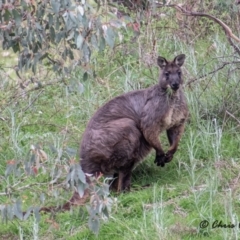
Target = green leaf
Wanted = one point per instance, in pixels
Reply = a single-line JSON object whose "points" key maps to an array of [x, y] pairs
{"points": [[4, 213], [70, 54], [116, 23], [24, 4], [80, 10], [16, 17], [36, 213], [71, 151], [7, 16], [85, 21], [55, 6], [65, 17], [70, 36], [102, 44], [50, 19], [27, 214], [17, 210], [81, 188], [81, 174], [9, 169], [94, 224], [79, 41], [60, 36], [73, 17], [80, 88], [38, 26], [110, 37], [94, 41], [86, 52], [57, 23], [105, 188], [34, 68], [27, 167], [33, 158], [42, 198], [52, 34], [85, 76], [105, 212], [10, 214]]}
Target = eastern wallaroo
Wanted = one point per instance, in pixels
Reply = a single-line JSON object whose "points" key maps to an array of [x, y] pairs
{"points": [[124, 130]]}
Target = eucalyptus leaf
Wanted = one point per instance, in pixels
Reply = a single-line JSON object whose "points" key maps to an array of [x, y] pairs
{"points": [[81, 174], [105, 212], [70, 54], [17, 17], [42, 198], [50, 19], [27, 213], [10, 212], [52, 34], [4, 212], [102, 44], [38, 26], [65, 16], [86, 52], [8, 170], [79, 41], [94, 225], [36, 213], [85, 76], [81, 188], [71, 151], [17, 210], [81, 10], [6, 15], [94, 41], [110, 37], [55, 6], [80, 88]]}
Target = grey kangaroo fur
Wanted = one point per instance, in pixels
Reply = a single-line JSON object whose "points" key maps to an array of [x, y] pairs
{"points": [[123, 131]]}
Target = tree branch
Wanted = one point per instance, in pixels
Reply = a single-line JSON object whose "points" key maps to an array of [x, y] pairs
{"points": [[230, 35], [212, 72]]}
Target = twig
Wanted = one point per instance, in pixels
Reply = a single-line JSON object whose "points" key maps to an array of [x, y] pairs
{"points": [[20, 188], [231, 115], [24, 110], [212, 72]]}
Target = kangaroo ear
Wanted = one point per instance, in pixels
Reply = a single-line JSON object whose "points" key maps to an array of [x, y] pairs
{"points": [[162, 62], [179, 60]]}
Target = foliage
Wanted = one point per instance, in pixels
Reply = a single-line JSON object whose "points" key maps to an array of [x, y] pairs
{"points": [[61, 34], [34, 165]]}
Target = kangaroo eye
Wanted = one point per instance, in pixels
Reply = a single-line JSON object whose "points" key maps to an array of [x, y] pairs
{"points": [[167, 74], [179, 73]]}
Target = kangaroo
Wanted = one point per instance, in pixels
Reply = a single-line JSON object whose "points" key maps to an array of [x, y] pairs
{"points": [[123, 131]]}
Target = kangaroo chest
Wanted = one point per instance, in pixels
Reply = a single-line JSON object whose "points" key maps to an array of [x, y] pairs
{"points": [[173, 117]]}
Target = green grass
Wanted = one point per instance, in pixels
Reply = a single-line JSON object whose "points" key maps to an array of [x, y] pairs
{"points": [[201, 183]]}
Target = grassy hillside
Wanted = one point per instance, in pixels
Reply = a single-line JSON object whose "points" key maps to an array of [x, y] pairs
{"points": [[200, 184]]}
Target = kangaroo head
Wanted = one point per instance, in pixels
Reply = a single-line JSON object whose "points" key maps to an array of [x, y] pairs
{"points": [[171, 74]]}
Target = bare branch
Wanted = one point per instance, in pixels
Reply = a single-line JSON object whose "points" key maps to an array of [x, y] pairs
{"points": [[212, 72], [231, 115], [230, 35]]}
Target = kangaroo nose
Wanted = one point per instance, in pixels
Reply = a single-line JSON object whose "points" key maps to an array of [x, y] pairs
{"points": [[175, 86]]}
